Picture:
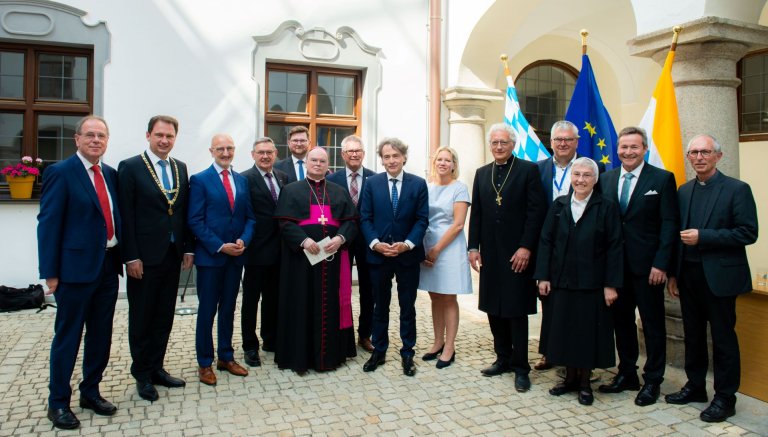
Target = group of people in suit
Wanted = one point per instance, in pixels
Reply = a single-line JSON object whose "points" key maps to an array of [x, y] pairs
{"points": [[592, 251]]}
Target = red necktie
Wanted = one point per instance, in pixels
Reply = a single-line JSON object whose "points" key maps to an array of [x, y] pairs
{"points": [[101, 193], [228, 189]]}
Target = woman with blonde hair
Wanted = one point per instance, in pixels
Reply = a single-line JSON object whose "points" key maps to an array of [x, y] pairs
{"points": [[445, 271]]}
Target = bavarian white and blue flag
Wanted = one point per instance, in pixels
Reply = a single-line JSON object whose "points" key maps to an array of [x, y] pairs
{"points": [[528, 145]]}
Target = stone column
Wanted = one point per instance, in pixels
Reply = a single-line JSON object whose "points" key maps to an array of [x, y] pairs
{"points": [[466, 126], [705, 80]]}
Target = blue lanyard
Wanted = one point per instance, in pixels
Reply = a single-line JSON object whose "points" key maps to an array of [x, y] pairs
{"points": [[562, 179]]}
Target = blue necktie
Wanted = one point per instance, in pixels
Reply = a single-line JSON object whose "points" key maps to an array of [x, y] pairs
{"points": [[624, 198], [301, 169], [394, 195], [166, 183]]}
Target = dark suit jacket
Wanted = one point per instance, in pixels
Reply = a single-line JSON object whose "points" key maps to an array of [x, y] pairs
{"points": [[264, 249], [377, 219], [651, 221], [147, 227], [71, 232], [286, 166], [340, 177], [545, 171], [730, 224], [592, 248], [213, 222]]}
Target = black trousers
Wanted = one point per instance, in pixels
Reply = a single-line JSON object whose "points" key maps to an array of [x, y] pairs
{"points": [[510, 341], [151, 306], [649, 301], [260, 282], [365, 320], [699, 306]]}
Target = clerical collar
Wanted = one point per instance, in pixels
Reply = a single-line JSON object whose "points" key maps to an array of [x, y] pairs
{"points": [[314, 181], [502, 164], [714, 178]]}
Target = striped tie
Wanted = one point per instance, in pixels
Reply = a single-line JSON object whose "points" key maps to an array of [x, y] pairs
{"points": [[354, 191]]}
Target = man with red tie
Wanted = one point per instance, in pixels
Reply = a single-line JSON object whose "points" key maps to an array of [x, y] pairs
{"points": [[78, 232], [221, 218]]}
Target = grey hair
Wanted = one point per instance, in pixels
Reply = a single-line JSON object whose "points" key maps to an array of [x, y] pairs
{"points": [[564, 125], [79, 125], [503, 127], [349, 138], [263, 140], [718, 149], [587, 162], [396, 143]]}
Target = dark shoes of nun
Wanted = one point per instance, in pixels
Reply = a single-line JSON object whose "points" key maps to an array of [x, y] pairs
{"points": [[63, 418], [252, 358], [376, 360], [99, 405], [620, 383]]}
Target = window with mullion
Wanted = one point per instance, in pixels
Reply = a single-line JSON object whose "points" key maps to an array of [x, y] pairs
{"points": [[753, 96]]}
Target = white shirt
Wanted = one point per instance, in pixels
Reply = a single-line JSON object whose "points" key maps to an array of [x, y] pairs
{"points": [[359, 180], [633, 182], [155, 160], [231, 179], [561, 174], [296, 166], [274, 179], [578, 207], [113, 241]]}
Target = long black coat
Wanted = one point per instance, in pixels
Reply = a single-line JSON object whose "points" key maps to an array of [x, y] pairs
{"points": [[498, 231]]}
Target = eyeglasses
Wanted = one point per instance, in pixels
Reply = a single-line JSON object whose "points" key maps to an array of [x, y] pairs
{"points": [[299, 141], [704, 153], [563, 140], [264, 152], [354, 151], [91, 135], [497, 143], [220, 150]]}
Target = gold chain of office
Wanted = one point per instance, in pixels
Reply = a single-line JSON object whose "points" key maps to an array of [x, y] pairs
{"points": [[174, 191]]}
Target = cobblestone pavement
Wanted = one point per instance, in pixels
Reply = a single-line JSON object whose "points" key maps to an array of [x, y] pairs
{"points": [[452, 401]]}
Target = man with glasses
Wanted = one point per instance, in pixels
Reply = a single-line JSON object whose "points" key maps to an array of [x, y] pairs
{"points": [[295, 166], [555, 175], [262, 266], [719, 218], [647, 198], [353, 179], [508, 209], [221, 218], [156, 244]]}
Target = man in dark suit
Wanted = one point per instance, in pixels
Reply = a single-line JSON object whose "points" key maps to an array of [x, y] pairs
{"points": [[353, 178], [508, 209], [719, 218], [262, 265], [77, 241], [154, 191], [394, 215], [221, 218], [295, 166], [647, 199], [555, 173]]}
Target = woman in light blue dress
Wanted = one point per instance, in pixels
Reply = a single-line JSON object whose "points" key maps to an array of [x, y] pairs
{"points": [[445, 271]]}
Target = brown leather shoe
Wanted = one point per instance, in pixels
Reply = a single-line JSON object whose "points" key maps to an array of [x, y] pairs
{"points": [[207, 376], [543, 364], [365, 343], [232, 367]]}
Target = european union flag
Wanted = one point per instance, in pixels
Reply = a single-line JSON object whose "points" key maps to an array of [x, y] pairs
{"points": [[597, 134]]}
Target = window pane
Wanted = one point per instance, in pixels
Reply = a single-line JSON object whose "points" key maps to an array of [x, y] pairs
{"points": [[277, 101], [754, 94], [297, 102], [279, 134], [287, 92], [544, 93], [345, 105], [11, 134], [330, 138], [11, 75], [55, 136], [752, 66], [335, 94], [62, 77], [277, 81]]}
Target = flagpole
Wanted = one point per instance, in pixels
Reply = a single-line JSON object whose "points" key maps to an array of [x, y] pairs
{"points": [[584, 34], [504, 59], [675, 34]]}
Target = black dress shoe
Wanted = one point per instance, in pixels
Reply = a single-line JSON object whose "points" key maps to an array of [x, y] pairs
{"points": [[161, 377], [648, 395], [429, 356], [563, 388], [267, 347], [99, 405], [376, 360], [252, 358], [718, 411], [63, 418], [147, 391], [497, 368], [522, 382], [686, 395], [409, 369], [586, 397], [443, 364], [620, 383]]}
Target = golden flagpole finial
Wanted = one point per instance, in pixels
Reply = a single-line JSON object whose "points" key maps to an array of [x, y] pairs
{"points": [[675, 34], [504, 59], [584, 33]]}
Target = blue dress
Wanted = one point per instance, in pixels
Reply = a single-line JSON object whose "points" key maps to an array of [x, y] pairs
{"points": [[450, 274]]}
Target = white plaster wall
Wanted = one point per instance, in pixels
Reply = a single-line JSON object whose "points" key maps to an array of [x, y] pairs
{"points": [[752, 171], [653, 15], [192, 59]]}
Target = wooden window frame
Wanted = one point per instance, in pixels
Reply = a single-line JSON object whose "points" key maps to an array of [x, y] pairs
{"points": [[756, 136]]}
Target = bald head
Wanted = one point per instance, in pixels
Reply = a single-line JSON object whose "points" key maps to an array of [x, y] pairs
{"points": [[317, 163], [222, 150]]}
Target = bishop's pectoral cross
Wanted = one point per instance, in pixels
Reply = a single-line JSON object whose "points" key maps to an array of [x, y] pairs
{"points": [[498, 199], [322, 219]]}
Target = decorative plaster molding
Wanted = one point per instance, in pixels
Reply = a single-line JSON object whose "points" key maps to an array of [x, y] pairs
{"points": [[14, 21]]}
